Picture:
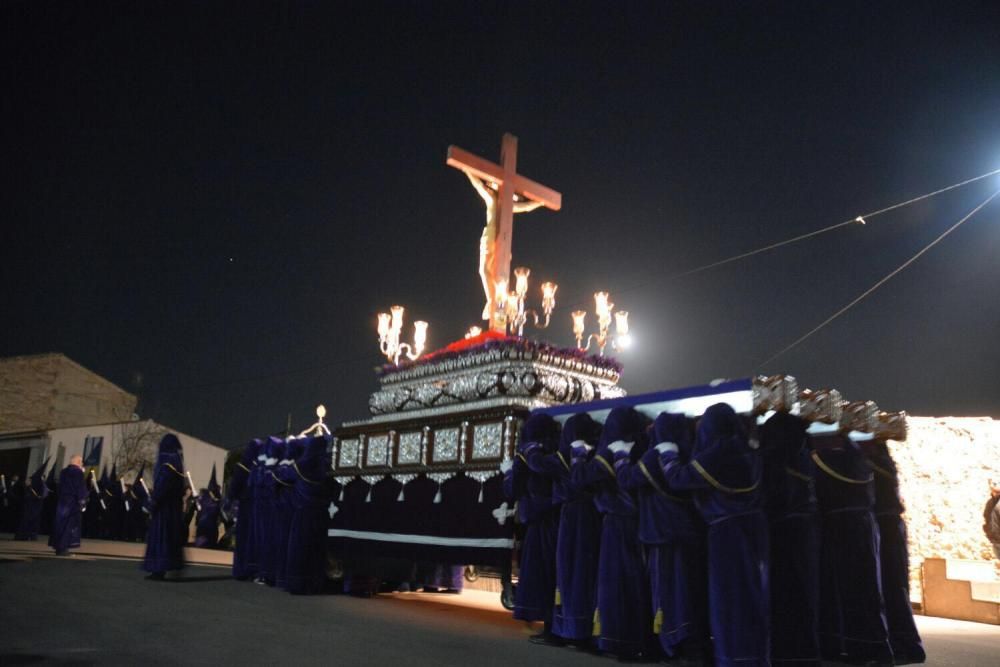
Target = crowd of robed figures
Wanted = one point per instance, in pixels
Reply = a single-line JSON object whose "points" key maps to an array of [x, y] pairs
{"points": [[712, 542], [113, 509]]}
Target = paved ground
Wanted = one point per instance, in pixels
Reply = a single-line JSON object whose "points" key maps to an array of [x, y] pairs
{"points": [[94, 609]]}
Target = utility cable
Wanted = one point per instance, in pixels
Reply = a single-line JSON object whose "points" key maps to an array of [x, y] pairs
{"points": [[881, 282]]}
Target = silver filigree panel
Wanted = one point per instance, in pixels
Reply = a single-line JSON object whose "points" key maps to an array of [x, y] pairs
{"points": [[409, 448], [378, 450], [487, 441], [349, 453], [446, 444]]}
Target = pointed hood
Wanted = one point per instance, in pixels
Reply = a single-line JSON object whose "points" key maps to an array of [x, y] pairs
{"points": [[170, 451], [213, 485], [580, 426], [314, 462], [38, 478], [50, 481], [625, 425], [275, 450], [675, 428], [250, 452], [138, 490], [103, 481], [541, 429]]}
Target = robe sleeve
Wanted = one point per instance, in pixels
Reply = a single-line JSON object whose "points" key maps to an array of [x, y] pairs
{"points": [[630, 476], [166, 484], [680, 476], [286, 475], [549, 465]]}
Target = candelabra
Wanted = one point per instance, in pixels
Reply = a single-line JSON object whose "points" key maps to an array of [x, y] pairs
{"points": [[511, 313], [604, 310], [389, 329]]}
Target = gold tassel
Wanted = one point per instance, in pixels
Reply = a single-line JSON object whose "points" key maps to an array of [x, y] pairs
{"points": [[658, 622], [558, 598], [597, 623]]}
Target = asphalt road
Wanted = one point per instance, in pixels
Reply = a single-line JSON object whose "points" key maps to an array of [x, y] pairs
{"points": [[83, 611]]}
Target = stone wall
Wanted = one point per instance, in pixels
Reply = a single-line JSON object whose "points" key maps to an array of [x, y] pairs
{"points": [[944, 466], [45, 391]]}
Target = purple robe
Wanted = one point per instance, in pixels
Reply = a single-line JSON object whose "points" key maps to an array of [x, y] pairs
{"points": [[305, 565], [674, 537], [790, 501], [533, 600], [724, 475], [73, 495], [284, 477], [622, 621], [264, 496], [167, 534], [207, 521], [852, 610], [894, 556], [577, 544], [241, 491], [35, 493]]}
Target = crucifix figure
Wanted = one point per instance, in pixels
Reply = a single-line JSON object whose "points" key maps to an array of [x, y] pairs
{"points": [[505, 193]]}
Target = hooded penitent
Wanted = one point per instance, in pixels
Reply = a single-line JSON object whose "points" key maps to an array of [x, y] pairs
{"points": [[31, 506], [240, 499], [852, 608], [622, 622], [579, 532], [674, 536], [167, 535], [790, 503], [51, 500], [284, 478], [529, 483], [207, 523], [305, 566], [72, 499], [138, 509], [274, 450], [724, 475]]}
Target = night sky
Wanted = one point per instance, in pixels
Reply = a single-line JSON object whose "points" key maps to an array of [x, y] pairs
{"points": [[207, 203]]}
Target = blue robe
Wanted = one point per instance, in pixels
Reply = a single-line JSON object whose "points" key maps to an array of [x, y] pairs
{"points": [[207, 521], [539, 514], [724, 475], [66, 527], [674, 537], [284, 477], [622, 621], [790, 501], [577, 544], [894, 556], [305, 564], [167, 535], [240, 494], [31, 510], [264, 497], [852, 609], [275, 534]]}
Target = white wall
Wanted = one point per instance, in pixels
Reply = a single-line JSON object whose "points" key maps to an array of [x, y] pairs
{"points": [[198, 454]]}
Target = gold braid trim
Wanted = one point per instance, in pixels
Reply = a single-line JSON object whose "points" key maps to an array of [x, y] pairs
{"points": [[35, 493], [243, 466], [179, 474], [303, 477], [881, 471], [836, 475], [717, 484], [656, 487], [521, 456], [796, 474], [607, 465], [559, 454], [271, 472]]}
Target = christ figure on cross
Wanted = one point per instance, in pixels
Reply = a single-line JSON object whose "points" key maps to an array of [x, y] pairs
{"points": [[488, 241], [505, 193]]}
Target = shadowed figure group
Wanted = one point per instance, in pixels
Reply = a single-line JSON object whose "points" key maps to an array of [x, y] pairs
{"points": [[711, 541]]}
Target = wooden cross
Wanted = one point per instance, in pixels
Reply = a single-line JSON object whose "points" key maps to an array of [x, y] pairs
{"points": [[509, 187]]}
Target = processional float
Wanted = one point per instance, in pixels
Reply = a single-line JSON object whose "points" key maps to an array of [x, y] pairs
{"points": [[419, 478]]}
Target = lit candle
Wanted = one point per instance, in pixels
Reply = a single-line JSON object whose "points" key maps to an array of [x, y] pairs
{"points": [[500, 293], [521, 286], [601, 305], [621, 322], [383, 325], [578, 325], [419, 335], [397, 318], [549, 296]]}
